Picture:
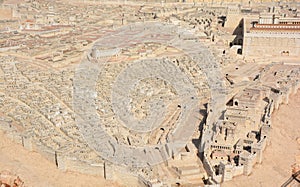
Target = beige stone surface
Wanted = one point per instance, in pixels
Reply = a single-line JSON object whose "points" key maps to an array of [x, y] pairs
{"points": [[5, 13]]}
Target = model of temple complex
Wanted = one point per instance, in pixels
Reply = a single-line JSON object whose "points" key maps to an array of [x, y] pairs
{"points": [[147, 93], [274, 33]]}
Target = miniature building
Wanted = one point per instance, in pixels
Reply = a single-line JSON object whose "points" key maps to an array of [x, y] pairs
{"points": [[247, 160], [272, 35], [39, 85], [226, 170]]}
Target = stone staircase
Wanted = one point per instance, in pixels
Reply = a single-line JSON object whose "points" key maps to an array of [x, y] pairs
{"points": [[191, 174]]}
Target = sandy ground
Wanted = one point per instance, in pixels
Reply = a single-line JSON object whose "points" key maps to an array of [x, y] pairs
{"points": [[35, 170], [281, 153]]}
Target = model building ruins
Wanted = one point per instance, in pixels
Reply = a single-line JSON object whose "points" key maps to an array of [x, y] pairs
{"points": [[147, 93]]}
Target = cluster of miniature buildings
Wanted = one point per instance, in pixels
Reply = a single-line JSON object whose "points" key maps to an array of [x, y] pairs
{"points": [[43, 42], [243, 133]]}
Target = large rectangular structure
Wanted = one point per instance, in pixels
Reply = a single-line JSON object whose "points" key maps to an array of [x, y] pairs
{"points": [[272, 36]]}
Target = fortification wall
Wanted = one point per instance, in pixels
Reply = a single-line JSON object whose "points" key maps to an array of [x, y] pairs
{"points": [[272, 44]]}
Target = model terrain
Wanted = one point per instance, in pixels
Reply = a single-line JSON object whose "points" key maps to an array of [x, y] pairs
{"points": [[149, 93]]}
